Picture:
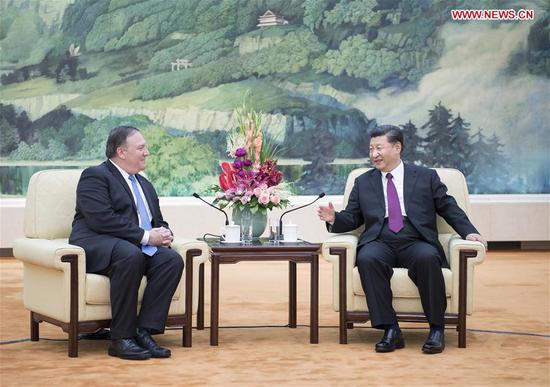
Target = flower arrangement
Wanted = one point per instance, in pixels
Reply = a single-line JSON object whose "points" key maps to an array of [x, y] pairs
{"points": [[252, 180]]}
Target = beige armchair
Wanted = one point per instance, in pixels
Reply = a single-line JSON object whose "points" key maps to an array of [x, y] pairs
{"points": [[350, 300], [56, 287]]}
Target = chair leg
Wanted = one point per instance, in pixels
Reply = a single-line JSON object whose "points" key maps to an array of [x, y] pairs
{"points": [[461, 335], [72, 259], [73, 339], [342, 289], [187, 335], [462, 293], [200, 311], [188, 323], [343, 333], [35, 328]]}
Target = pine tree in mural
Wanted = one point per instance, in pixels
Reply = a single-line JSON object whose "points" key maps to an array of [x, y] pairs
{"points": [[459, 145], [438, 139], [498, 178], [489, 172], [413, 144], [319, 174], [482, 159]]}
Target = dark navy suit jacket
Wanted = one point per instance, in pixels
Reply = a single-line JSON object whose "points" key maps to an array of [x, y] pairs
{"points": [[425, 196], [106, 213]]}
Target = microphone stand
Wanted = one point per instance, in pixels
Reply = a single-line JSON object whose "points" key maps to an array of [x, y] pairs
{"points": [[322, 194], [211, 205]]}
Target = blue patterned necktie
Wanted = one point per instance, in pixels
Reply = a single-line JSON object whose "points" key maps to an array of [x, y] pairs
{"points": [[143, 215], [395, 218]]}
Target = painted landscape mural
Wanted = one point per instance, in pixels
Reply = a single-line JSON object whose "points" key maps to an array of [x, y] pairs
{"points": [[470, 95]]}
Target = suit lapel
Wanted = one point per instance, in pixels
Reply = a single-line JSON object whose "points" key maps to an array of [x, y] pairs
{"points": [[121, 180], [409, 182], [375, 180]]}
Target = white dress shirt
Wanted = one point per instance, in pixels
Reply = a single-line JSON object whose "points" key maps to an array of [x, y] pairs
{"points": [[126, 176], [398, 176]]}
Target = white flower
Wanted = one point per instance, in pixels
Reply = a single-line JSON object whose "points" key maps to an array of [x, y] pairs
{"points": [[282, 190], [235, 140]]}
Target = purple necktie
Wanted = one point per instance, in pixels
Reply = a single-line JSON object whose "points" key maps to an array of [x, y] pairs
{"points": [[395, 219]]}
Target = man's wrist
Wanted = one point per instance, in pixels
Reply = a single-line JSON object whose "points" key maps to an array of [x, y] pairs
{"points": [[145, 238]]}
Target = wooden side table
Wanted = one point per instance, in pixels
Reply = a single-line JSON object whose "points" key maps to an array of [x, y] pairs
{"points": [[262, 251]]}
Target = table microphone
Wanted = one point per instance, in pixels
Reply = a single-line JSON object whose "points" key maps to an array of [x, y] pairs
{"points": [[294, 209], [211, 205]]}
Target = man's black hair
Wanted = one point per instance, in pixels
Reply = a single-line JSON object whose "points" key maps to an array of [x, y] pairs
{"points": [[117, 138]]}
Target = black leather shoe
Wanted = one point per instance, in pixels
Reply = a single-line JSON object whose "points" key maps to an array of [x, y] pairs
{"points": [[100, 334], [128, 349], [435, 343], [392, 340], [145, 340]]}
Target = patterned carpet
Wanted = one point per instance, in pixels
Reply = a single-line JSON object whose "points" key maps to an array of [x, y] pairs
{"points": [[511, 297]]}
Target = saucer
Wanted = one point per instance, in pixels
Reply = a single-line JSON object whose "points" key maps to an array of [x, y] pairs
{"points": [[230, 243]]}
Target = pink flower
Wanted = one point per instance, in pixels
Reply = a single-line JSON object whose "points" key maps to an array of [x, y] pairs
{"points": [[258, 148], [275, 199], [245, 199], [264, 198], [260, 190]]}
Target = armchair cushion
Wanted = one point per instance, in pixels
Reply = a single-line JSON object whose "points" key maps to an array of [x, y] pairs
{"points": [[401, 285], [98, 290], [50, 207]]}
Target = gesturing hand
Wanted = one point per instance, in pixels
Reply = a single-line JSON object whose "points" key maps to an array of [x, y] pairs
{"points": [[327, 214]]}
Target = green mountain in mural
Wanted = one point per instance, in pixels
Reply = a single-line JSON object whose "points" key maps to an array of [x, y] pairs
{"points": [[133, 46], [181, 63]]}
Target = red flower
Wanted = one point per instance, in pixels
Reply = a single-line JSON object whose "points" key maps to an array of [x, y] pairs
{"points": [[227, 178], [269, 173]]}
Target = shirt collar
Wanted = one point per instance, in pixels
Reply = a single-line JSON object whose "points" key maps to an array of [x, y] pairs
{"points": [[124, 174], [397, 172]]}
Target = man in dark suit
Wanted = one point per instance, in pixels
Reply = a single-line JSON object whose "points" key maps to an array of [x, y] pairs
{"points": [[119, 224], [397, 203]]}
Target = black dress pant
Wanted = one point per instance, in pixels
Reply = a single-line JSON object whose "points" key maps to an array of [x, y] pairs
{"points": [[406, 249], [128, 265]]}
